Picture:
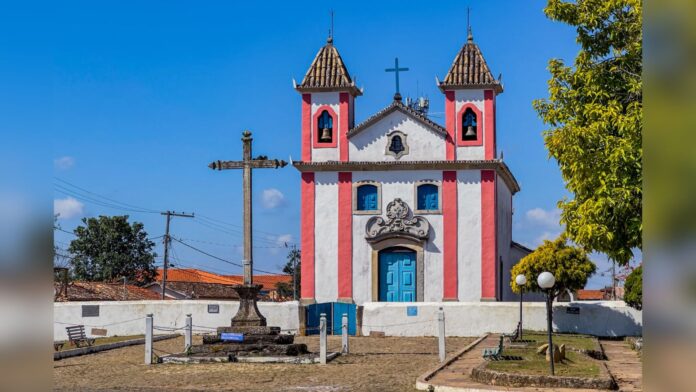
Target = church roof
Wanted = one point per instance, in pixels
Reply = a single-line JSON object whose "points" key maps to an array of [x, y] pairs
{"points": [[397, 105], [328, 73], [470, 70]]}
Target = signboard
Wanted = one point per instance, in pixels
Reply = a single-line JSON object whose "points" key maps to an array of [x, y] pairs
{"points": [[90, 310], [573, 310], [213, 308], [98, 332], [232, 337], [411, 311]]}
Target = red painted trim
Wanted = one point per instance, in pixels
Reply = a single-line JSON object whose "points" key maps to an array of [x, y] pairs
{"points": [[449, 223], [450, 125], [344, 117], [307, 236], [489, 124], [488, 235], [306, 127], [345, 235], [336, 129], [480, 125]]}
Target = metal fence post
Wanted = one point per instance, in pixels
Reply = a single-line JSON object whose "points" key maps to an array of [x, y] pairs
{"points": [[441, 334], [322, 338], [344, 333], [188, 333], [148, 339]]}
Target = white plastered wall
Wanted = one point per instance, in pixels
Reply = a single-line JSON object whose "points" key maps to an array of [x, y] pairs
{"points": [[462, 97], [504, 234], [318, 100], [370, 144], [326, 237], [469, 235], [395, 184]]}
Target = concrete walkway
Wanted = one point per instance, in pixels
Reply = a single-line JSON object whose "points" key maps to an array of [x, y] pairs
{"points": [[454, 375], [624, 364]]}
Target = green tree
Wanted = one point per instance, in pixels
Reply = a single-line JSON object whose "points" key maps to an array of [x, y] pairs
{"points": [[109, 248], [595, 114], [293, 259], [569, 265], [633, 288]]}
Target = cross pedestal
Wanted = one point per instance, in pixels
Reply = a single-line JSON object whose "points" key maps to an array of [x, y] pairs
{"points": [[248, 314]]}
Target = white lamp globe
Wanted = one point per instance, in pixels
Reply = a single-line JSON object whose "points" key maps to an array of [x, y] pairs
{"points": [[521, 280], [546, 280]]}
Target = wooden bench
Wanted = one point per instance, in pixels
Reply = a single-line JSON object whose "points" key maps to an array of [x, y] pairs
{"points": [[77, 337], [494, 353], [515, 336]]}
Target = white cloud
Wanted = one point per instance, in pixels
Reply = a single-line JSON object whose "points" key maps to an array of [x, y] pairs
{"points": [[544, 218], [546, 235], [281, 241], [272, 198], [67, 208], [64, 163]]}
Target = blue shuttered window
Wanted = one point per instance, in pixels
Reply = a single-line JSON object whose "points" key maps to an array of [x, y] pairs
{"points": [[428, 197], [367, 198]]}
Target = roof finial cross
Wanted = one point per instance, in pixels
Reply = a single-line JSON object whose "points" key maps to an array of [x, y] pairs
{"points": [[331, 29], [396, 69], [470, 35]]}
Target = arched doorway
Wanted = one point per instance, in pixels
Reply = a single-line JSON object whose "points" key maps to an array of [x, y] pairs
{"points": [[398, 275]]}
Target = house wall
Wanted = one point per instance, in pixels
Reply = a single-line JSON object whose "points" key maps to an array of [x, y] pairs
{"points": [[326, 237], [461, 98], [128, 317], [370, 144], [601, 318]]}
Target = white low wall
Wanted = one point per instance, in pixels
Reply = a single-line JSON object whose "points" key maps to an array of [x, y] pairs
{"points": [[127, 317], [601, 318]]}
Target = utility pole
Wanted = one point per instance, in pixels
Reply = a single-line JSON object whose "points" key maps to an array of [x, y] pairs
{"points": [[294, 266], [167, 240]]}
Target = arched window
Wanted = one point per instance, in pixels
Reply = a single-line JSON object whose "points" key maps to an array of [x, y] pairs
{"points": [[325, 126], [428, 199], [469, 125], [367, 198]]}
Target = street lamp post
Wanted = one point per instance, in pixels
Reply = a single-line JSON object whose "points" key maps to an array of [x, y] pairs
{"points": [[546, 280], [521, 280]]}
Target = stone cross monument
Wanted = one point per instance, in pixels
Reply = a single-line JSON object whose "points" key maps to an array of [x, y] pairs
{"points": [[248, 313]]}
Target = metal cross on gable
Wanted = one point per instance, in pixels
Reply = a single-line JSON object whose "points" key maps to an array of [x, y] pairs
{"points": [[247, 164], [396, 70]]}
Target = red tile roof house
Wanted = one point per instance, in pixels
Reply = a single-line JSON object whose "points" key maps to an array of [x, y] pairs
{"points": [[190, 283], [100, 291]]}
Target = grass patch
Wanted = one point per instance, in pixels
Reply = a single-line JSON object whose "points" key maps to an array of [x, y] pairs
{"points": [[579, 342], [105, 340], [575, 364]]}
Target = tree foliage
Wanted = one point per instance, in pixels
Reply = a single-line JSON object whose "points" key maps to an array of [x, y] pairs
{"points": [[108, 248], [595, 114], [633, 288], [285, 289], [569, 265]]}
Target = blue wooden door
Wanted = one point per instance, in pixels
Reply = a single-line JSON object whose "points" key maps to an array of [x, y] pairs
{"points": [[397, 276], [338, 309], [313, 313]]}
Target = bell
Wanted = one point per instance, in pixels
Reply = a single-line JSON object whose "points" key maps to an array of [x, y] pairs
{"points": [[325, 135], [470, 133]]}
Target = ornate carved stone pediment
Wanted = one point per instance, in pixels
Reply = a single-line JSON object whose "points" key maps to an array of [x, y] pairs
{"points": [[397, 224]]}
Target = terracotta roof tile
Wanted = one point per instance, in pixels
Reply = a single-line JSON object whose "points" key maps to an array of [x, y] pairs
{"points": [[268, 281], [590, 295], [328, 73], [192, 275], [470, 70], [99, 291]]}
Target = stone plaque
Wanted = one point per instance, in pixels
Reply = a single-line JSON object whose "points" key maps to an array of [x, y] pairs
{"points": [[411, 311], [573, 310], [214, 308], [90, 310], [232, 337], [98, 332]]}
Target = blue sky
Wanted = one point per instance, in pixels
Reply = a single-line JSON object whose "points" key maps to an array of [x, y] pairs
{"points": [[138, 97]]}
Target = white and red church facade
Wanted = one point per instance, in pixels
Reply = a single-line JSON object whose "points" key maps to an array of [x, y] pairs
{"points": [[398, 208]]}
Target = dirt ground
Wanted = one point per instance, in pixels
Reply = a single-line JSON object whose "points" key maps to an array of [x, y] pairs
{"points": [[374, 364]]}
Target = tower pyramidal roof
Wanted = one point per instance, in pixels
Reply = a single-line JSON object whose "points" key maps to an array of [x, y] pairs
{"points": [[470, 70], [328, 73]]}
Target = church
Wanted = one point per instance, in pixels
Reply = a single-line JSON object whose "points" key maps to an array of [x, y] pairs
{"points": [[396, 207]]}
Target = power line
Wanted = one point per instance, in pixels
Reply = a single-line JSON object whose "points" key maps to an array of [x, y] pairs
{"points": [[221, 259], [104, 197]]}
